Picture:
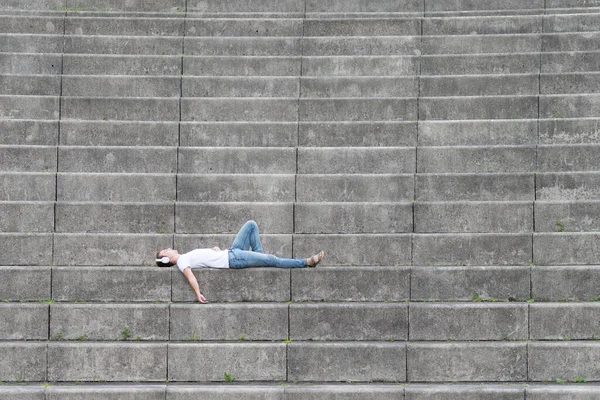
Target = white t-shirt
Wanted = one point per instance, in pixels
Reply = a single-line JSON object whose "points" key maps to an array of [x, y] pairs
{"points": [[204, 258]]}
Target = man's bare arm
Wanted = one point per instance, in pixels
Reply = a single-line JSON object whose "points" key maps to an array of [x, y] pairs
{"points": [[194, 284]]}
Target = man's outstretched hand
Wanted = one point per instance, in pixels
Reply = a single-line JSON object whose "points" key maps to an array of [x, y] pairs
{"points": [[202, 299]]}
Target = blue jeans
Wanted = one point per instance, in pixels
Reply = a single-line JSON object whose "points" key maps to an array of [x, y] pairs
{"points": [[240, 255]]}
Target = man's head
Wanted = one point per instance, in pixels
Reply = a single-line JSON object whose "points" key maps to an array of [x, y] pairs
{"points": [[168, 255]]}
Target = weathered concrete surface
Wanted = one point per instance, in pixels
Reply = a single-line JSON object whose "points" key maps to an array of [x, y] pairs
{"points": [[243, 46], [463, 392], [563, 392], [549, 361], [358, 87], [26, 217], [27, 248], [236, 160], [241, 66], [477, 133], [125, 45], [478, 159], [560, 283], [225, 392], [95, 64], [394, 109], [23, 321], [568, 216], [567, 186], [357, 134], [239, 134], [371, 160], [355, 188], [360, 66], [28, 158], [242, 361], [235, 188], [120, 108], [25, 283], [22, 393], [475, 187], [348, 392], [560, 321], [42, 133], [479, 64], [106, 392], [342, 362], [566, 248], [21, 361], [27, 186], [228, 322], [569, 130], [564, 158], [244, 86]]}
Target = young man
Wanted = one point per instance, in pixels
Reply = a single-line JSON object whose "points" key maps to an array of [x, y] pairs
{"points": [[245, 252]]}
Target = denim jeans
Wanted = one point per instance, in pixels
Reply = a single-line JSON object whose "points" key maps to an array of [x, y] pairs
{"points": [[248, 238]]}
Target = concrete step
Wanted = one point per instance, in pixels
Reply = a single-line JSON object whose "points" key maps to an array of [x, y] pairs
{"points": [[575, 361], [578, 248], [33, 5], [276, 218], [364, 87], [355, 188], [573, 83], [117, 159], [24, 321], [238, 134], [495, 5], [242, 46], [483, 25], [362, 27], [114, 218], [363, 6], [315, 217], [361, 46], [568, 130], [567, 216], [27, 248], [569, 106], [466, 283], [237, 6], [120, 44], [27, 186], [489, 107], [30, 64], [113, 187], [567, 186], [473, 217], [479, 85], [572, 23], [356, 160], [559, 321], [584, 41], [360, 65], [32, 24], [118, 133], [477, 133], [244, 27], [15, 284], [481, 44], [29, 107], [235, 188], [107, 284], [236, 160], [31, 85], [576, 61], [473, 249], [240, 87], [28, 158], [475, 187], [239, 109], [564, 158], [108, 249], [120, 108], [560, 283], [117, 64], [476, 159], [136, 5], [148, 27], [121, 86], [26, 216], [359, 109], [480, 64], [358, 134], [31, 43], [241, 65]]}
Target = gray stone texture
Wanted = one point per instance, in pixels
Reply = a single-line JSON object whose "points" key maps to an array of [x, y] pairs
{"points": [[464, 283], [136, 5], [28, 158], [372, 160], [215, 6], [480, 85], [111, 362], [355, 188], [560, 283], [472, 249], [111, 284], [566, 248], [388, 6], [468, 321], [569, 42], [362, 27], [244, 285], [469, 5], [109, 322], [244, 27], [29, 107], [36, 133], [243, 46], [95, 64], [237, 160], [475, 187], [121, 86], [360, 66], [23, 362], [477, 133], [343, 362], [239, 134], [23, 321], [34, 4], [570, 392], [352, 217], [473, 107], [357, 134], [571, 83], [348, 392], [564, 158], [356, 249], [26, 217], [125, 109], [27, 43], [569, 105], [569, 131], [228, 322], [148, 27], [119, 133], [348, 322], [114, 187], [549, 361], [564, 321], [24, 85], [570, 216], [234, 86], [25, 283], [116, 249], [31, 24], [22, 393], [236, 188], [570, 62], [361, 46], [567, 186], [119, 44], [498, 217], [117, 159], [359, 109], [239, 109], [26, 248], [464, 392], [364, 284], [478, 64], [479, 44], [476, 159], [243, 361], [106, 392], [26, 186], [473, 362], [225, 392], [360, 87], [482, 25], [241, 66]]}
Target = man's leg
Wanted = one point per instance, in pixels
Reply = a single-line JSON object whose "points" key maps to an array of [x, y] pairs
{"points": [[248, 238], [250, 259]]}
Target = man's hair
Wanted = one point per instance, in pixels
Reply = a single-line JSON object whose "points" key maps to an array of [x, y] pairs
{"points": [[161, 264]]}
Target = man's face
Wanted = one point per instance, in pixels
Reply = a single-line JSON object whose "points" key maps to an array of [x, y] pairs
{"points": [[168, 253]]}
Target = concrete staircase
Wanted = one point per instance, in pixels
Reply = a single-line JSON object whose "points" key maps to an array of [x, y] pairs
{"points": [[444, 154]]}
